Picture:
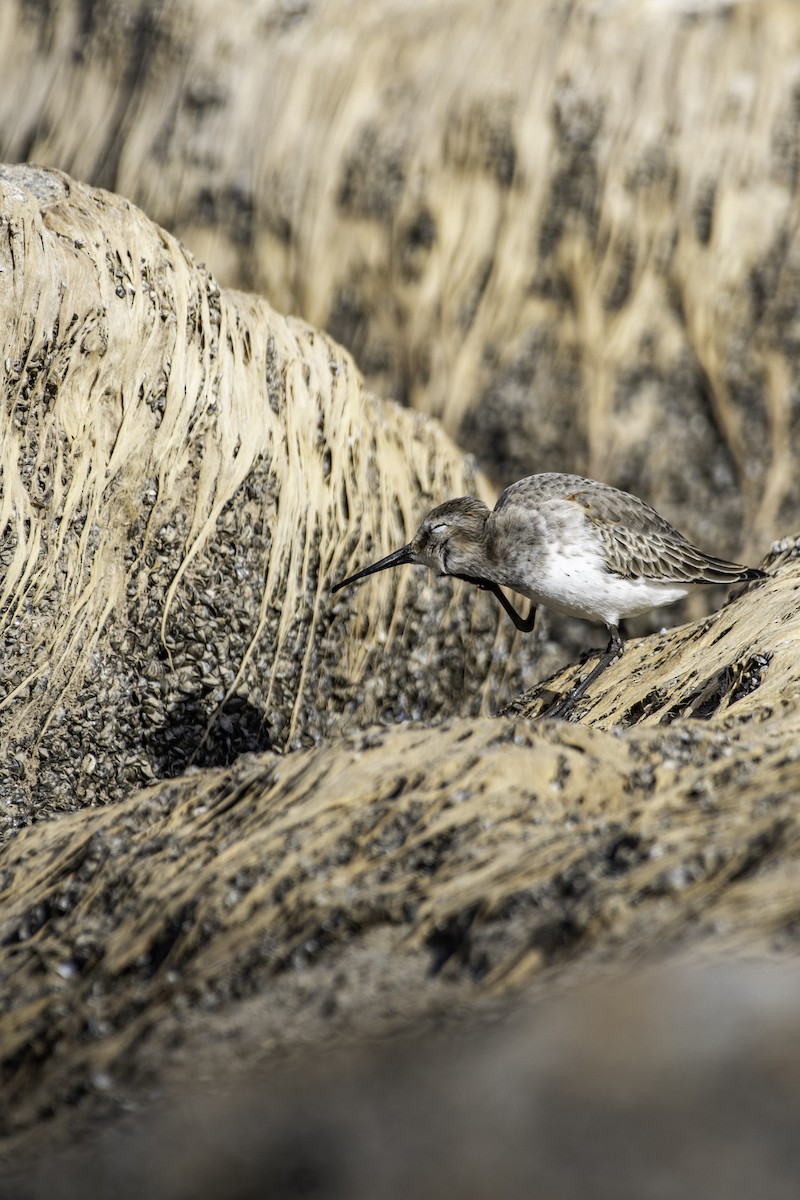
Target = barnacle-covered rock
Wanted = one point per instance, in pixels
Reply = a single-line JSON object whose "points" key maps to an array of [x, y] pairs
{"points": [[184, 474]]}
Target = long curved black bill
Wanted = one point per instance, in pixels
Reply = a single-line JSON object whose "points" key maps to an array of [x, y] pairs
{"points": [[397, 559]]}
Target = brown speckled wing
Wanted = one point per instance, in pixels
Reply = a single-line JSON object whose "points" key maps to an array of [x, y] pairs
{"points": [[639, 544]]}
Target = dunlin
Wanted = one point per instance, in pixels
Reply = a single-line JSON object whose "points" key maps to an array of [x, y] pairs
{"points": [[574, 545]]}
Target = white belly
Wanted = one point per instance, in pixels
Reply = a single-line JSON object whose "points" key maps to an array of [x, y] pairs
{"points": [[580, 586]]}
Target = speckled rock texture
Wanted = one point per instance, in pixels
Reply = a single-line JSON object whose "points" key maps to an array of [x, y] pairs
{"points": [[569, 230]]}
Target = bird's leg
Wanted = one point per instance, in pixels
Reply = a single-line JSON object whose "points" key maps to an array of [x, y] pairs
{"points": [[612, 652], [523, 624]]}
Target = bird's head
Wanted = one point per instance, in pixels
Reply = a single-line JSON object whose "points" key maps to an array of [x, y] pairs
{"points": [[449, 540]]}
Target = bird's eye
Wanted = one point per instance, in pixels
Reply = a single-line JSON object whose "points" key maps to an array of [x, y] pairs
{"points": [[439, 528]]}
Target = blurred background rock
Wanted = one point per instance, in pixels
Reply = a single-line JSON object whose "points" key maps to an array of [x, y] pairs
{"points": [[570, 230]]}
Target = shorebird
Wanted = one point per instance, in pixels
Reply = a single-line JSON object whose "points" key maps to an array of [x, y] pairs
{"points": [[571, 544]]}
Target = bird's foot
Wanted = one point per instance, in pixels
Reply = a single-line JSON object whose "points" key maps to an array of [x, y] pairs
{"points": [[564, 707]]}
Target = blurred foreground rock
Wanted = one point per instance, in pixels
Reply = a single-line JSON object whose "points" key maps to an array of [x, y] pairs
{"points": [[663, 1083]]}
